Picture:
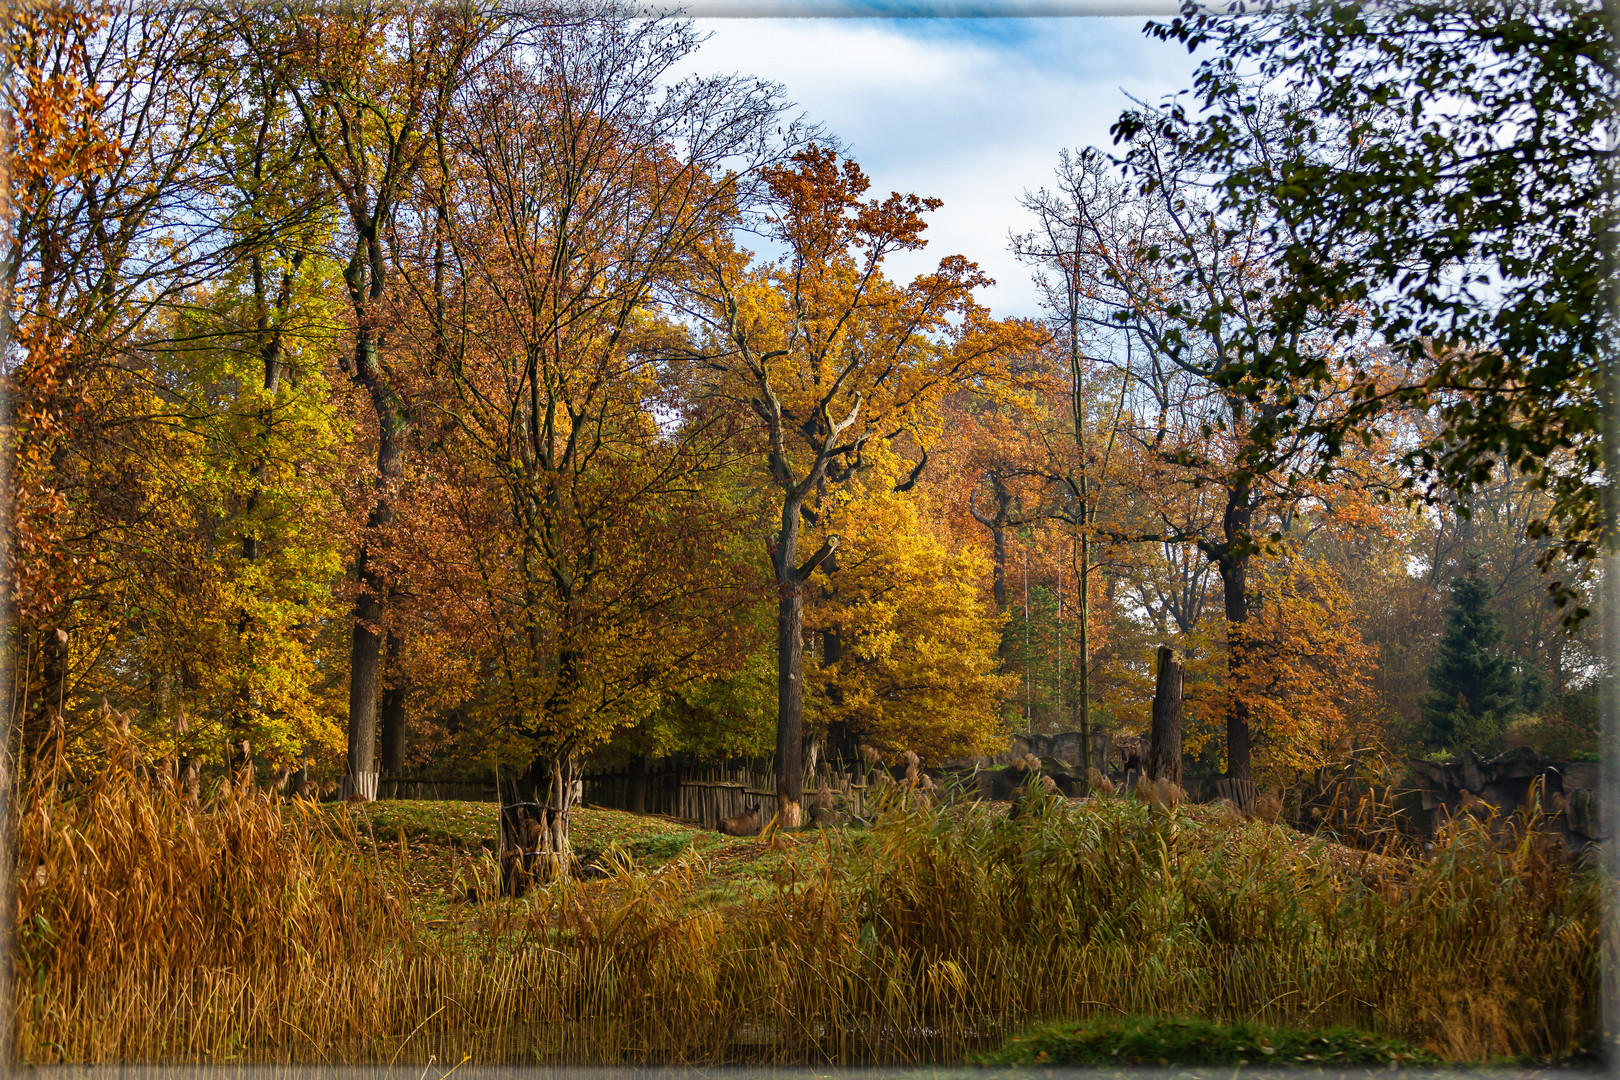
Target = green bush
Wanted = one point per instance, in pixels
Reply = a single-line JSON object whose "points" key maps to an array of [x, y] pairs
{"points": [[1146, 1040]]}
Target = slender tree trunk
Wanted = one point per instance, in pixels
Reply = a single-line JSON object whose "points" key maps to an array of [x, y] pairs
{"points": [[789, 666], [50, 655], [391, 713], [1077, 374], [999, 582], [997, 524], [1233, 565], [1084, 705]]}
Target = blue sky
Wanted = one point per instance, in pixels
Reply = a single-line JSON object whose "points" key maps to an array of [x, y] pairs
{"points": [[972, 111]]}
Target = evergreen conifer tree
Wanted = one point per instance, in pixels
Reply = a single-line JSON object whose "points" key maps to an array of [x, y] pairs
{"points": [[1471, 688]]}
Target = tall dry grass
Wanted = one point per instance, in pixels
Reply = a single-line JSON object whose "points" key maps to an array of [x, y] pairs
{"points": [[145, 921], [251, 929]]}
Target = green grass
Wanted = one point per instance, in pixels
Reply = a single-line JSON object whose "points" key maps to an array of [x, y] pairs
{"points": [[445, 843], [450, 825], [467, 826], [1162, 1040]]}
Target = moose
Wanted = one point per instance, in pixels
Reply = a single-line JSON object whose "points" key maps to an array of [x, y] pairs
{"points": [[744, 824], [1133, 757]]}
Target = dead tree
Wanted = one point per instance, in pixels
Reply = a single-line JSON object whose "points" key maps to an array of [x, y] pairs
{"points": [[1164, 759]]}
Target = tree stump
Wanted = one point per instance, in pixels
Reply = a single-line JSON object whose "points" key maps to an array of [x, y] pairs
{"points": [[1164, 757]]}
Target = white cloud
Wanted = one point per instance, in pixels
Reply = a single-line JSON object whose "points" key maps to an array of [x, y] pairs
{"points": [[972, 111]]}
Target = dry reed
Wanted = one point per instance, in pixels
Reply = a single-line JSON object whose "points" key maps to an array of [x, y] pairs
{"points": [[253, 929]]}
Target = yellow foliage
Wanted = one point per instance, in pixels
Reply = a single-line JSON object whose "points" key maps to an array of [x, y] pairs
{"points": [[1306, 669], [919, 668]]}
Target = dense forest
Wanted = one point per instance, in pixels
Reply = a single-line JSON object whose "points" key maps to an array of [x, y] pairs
{"points": [[418, 389]]}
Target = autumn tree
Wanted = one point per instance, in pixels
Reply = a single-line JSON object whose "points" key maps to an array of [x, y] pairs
{"points": [[129, 248], [1441, 177], [1172, 330], [834, 359], [1306, 673], [567, 200], [59, 149], [990, 466], [373, 87], [916, 660]]}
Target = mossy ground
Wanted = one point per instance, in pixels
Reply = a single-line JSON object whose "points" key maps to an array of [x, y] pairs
{"points": [[1166, 1040]]}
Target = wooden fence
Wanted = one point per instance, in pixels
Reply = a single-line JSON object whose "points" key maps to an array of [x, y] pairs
{"points": [[407, 787], [705, 793], [702, 793]]}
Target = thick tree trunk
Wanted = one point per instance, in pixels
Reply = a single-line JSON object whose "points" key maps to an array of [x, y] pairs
{"points": [[365, 278], [839, 744], [842, 746], [365, 677], [365, 669], [636, 797], [564, 794], [1164, 757], [534, 835]]}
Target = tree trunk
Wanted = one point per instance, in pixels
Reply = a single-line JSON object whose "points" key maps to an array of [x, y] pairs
{"points": [[49, 700], [1164, 758], [997, 524], [391, 713], [840, 743], [1087, 515], [790, 579], [1234, 569], [564, 792], [365, 667], [364, 276], [999, 580], [1084, 705], [789, 670], [636, 797]]}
